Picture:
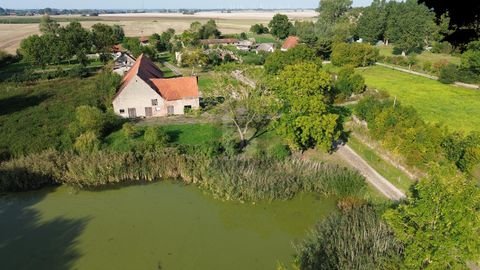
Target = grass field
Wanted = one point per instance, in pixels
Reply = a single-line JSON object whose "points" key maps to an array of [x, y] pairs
{"points": [[36, 117], [456, 107], [424, 56], [179, 134]]}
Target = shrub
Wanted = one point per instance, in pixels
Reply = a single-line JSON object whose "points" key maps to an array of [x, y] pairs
{"points": [[427, 66], [348, 82], [448, 74], [356, 238], [278, 151], [278, 60], [355, 54], [129, 130], [90, 118], [442, 47], [87, 142], [155, 137], [259, 29]]}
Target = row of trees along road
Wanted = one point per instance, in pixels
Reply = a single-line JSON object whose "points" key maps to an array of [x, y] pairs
{"points": [[57, 43]]}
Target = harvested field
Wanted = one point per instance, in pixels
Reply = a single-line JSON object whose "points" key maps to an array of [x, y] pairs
{"points": [[148, 23]]}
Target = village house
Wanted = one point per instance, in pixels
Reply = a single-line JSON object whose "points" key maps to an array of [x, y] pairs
{"points": [[265, 47], [290, 43], [244, 45], [123, 62], [145, 93]]}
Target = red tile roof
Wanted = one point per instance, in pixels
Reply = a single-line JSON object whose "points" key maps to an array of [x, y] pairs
{"points": [[169, 89], [290, 42], [177, 88]]}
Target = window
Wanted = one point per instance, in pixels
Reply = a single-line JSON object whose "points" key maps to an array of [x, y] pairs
{"points": [[122, 111], [154, 102]]}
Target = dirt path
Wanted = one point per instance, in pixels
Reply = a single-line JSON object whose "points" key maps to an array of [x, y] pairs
{"points": [[372, 176]]}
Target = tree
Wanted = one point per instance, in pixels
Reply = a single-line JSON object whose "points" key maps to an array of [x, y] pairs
{"points": [[305, 30], [48, 25], [103, 39], [133, 45], [276, 61], [209, 30], [439, 222], [354, 54], [304, 89], [118, 33], [194, 58], [332, 10], [373, 21], [355, 238], [410, 26], [246, 107], [280, 26], [259, 29], [464, 21], [348, 82], [471, 57], [32, 49], [76, 41]]}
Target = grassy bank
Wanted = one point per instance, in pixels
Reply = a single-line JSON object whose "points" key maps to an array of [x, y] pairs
{"points": [[35, 117], [387, 170], [453, 106]]}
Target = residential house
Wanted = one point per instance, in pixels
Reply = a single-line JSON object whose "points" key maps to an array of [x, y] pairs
{"points": [[265, 47], [290, 43], [244, 45], [145, 93], [123, 62]]}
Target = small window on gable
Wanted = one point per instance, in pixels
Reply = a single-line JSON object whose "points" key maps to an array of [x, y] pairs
{"points": [[122, 111], [154, 102]]}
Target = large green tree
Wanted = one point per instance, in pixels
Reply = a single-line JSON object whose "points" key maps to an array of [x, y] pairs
{"points": [[439, 224], [76, 41], [330, 12], [276, 61], [103, 39], [280, 26], [305, 30], [372, 23], [306, 121], [410, 26]]}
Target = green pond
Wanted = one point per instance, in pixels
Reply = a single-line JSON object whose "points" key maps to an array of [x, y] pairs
{"points": [[155, 226]]}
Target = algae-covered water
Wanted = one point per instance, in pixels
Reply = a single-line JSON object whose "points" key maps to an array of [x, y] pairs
{"points": [[155, 226]]}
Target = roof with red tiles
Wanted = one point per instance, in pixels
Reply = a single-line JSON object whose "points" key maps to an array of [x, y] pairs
{"points": [[290, 42], [169, 89]]}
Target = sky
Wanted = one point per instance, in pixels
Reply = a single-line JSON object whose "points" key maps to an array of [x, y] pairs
{"points": [[164, 4]]}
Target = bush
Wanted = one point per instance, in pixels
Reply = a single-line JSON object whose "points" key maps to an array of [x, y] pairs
{"points": [[448, 74], [87, 142], [354, 54], [354, 239], [278, 151], [442, 47], [259, 29], [348, 82], [155, 137], [90, 118], [130, 131], [278, 60]]}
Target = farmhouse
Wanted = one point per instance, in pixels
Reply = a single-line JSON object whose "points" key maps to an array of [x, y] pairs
{"points": [[265, 47], [145, 93], [290, 43], [123, 62]]}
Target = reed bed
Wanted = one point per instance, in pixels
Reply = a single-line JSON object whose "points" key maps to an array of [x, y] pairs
{"points": [[228, 178]]}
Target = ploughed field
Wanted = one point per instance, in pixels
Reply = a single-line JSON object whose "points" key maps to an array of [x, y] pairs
{"points": [[456, 107], [156, 226]]}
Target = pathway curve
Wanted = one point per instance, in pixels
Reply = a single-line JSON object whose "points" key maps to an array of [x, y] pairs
{"points": [[372, 176]]}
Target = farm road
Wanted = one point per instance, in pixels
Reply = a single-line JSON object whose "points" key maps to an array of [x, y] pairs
{"points": [[372, 176]]}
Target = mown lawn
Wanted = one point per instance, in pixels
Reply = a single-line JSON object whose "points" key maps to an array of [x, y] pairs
{"points": [[424, 56], [36, 117], [456, 107]]}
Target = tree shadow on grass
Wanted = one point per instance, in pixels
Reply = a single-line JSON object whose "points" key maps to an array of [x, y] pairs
{"points": [[19, 102], [174, 135], [29, 242]]}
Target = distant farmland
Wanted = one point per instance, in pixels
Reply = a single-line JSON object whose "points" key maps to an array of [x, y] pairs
{"points": [[456, 107], [14, 29]]}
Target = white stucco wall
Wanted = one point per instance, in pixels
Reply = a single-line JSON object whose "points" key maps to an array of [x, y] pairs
{"points": [[138, 94]]}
